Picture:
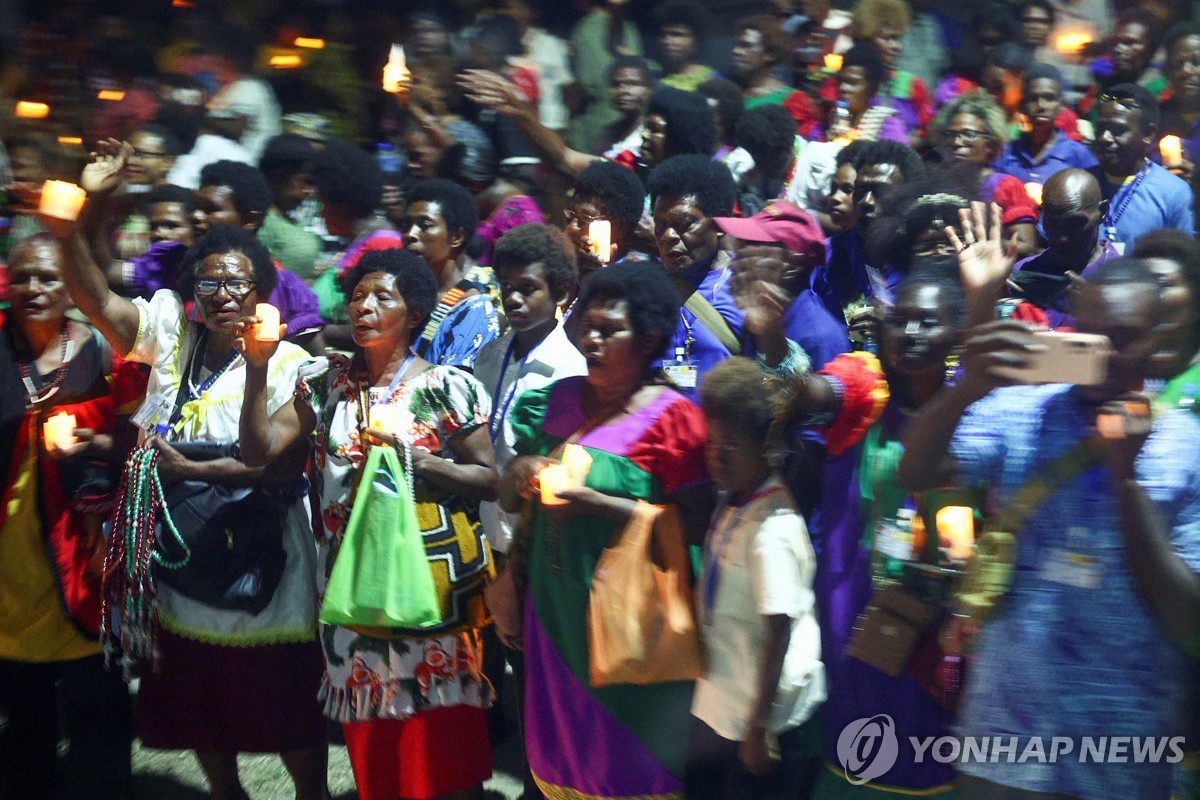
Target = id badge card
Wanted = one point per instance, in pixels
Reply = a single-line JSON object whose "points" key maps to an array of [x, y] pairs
{"points": [[156, 410], [683, 372], [1070, 568]]}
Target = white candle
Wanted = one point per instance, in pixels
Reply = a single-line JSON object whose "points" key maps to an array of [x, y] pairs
{"points": [[268, 325], [600, 239], [956, 531], [554, 479], [1172, 151], [62, 200], [395, 71], [59, 431]]}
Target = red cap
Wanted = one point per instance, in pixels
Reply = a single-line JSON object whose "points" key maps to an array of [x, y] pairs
{"points": [[779, 223]]}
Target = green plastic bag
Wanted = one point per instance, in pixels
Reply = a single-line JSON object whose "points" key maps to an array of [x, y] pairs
{"points": [[381, 578]]}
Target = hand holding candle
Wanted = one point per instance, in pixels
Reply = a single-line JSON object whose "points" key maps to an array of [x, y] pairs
{"points": [[1171, 149], [956, 531], [61, 200], [267, 329], [600, 239], [578, 463], [554, 479], [383, 417], [59, 431], [395, 72]]}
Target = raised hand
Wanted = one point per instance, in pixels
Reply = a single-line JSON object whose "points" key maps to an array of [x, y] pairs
{"points": [[103, 174], [492, 91], [984, 261], [257, 353]]}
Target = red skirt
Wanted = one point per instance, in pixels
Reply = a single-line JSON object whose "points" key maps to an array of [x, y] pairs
{"points": [[435, 752], [232, 699]]}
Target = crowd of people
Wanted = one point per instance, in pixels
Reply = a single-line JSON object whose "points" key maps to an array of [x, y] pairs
{"points": [[883, 321]]}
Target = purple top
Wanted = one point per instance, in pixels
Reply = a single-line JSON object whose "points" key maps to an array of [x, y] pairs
{"points": [[1044, 297], [512, 212], [158, 268]]}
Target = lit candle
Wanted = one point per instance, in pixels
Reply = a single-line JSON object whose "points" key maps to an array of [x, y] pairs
{"points": [[554, 479], [31, 110], [578, 462], [600, 239], [383, 417], [1034, 190], [62, 200], [268, 322], [115, 95], [956, 531], [285, 61], [833, 62], [1072, 43], [59, 431], [395, 72], [309, 42], [1172, 151]]}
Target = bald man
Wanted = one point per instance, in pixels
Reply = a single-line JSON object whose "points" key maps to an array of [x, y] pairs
{"points": [[1072, 214]]}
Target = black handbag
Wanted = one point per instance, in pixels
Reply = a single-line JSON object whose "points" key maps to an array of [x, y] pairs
{"points": [[226, 546]]}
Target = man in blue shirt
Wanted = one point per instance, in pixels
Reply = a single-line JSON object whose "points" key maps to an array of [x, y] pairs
{"points": [[1043, 150], [1089, 640], [1141, 195]]}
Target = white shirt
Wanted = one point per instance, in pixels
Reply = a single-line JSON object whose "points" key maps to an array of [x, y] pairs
{"points": [[551, 57], [762, 563], [255, 100], [813, 175], [507, 378], [209, 149]]}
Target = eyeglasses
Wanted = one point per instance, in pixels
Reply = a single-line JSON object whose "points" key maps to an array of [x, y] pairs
{"points": [[147, 154], [237, 287], [970, 137], [584, 220], [1122, 98]]}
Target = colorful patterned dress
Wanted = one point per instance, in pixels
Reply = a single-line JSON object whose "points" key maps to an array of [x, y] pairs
{"points": [[617, 741], [369, 678]]}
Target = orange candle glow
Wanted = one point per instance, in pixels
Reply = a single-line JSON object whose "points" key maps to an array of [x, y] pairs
{"points": [[59, 431], [956, 531], [383, 417], [1172, 151], [600, 239], [268, 326], [578, 463], [833, 62], [31, 110], [285, 62], [114, 95], [1034, 190], [395, 71], [1072, 43], [554, 479], [309, 43], [62, 200]]}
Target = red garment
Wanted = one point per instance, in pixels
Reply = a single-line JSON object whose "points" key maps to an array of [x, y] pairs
{"points": [[865, 394], [663, 448], [1015, 203], [806, 113], [433, 753], [526, 80]]}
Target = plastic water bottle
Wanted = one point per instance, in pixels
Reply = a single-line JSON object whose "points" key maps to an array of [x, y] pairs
{"points": [[841, 119]]}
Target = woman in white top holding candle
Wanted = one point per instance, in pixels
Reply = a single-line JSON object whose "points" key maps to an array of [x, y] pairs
{"points": [[227, 681], [411, 701]]}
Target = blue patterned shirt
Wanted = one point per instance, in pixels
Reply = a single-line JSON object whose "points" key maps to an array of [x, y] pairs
{"points": [[1068, 658]]}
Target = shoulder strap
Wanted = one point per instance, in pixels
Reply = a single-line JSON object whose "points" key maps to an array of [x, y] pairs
{"points": [[1035, 491], [710, 318]]}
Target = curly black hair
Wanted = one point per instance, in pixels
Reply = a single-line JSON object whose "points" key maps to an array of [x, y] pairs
{"points": [[249, 187], [710, 182], [468, 165], [414, 279], [1147, 105], [1045, 5], [172, 144], [687, 13], [775, 41], [905, 214], [633, 62], [898, 154], [1011, 57], [616, 190], [1148, 20], [729, 100], [534, 243], [228, 239], [345, 175], [169, 193], [767, 133], [691, 126], [1038, 71], [1178, 31], [458, 207], [852, 154], [867, 58], [651, 301], [287, 153], [1173, 245]]}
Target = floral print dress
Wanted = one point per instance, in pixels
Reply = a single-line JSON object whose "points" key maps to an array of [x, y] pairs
{"points": [[394, 674]]}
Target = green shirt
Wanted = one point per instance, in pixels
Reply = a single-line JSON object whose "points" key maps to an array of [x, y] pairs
{"points": [[290, 245]]}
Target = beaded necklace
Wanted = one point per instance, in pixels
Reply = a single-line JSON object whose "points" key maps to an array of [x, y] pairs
{"points": [[35, 396]]}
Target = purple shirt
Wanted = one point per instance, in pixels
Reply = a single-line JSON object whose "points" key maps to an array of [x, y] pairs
{"points": [[1043, 295]]}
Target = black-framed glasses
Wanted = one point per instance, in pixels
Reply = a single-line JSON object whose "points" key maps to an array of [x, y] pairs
{"points": [[1121, 98], [970, 137], [237, 287], [584, 220]]}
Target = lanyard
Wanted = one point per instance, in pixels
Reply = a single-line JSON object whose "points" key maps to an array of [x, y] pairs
{"points": [[396, 379], [188, 390], [1114, 215], [497, 419], [721, 539]]}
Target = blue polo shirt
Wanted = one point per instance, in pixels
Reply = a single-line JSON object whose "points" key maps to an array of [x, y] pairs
{"points": [[808, 323], [1155, 199], [1064, 153]]}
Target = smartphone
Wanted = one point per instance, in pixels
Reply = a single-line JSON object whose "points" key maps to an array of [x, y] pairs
{"points": [[1078, 358]]}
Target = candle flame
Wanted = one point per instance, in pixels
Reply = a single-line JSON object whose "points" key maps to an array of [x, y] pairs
{"points": [[285, 62], [1034, 190], [111, 94], [31, 110], [833, 62], [1073, 42], [310, 43]]}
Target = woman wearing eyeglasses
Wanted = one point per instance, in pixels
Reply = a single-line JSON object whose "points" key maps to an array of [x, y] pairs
{"points": [[227, 681], [971, 132]]}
